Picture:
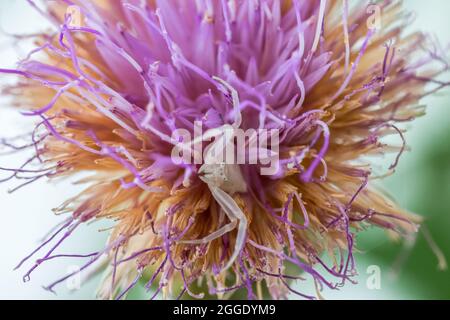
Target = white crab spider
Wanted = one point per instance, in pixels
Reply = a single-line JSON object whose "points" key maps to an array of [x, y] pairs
{"points": [[224, 180]]}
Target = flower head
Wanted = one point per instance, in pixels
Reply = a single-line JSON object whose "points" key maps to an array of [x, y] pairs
{"points": [[114, 87]]}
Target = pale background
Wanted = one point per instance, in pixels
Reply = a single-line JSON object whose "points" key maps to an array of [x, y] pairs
{"points": [[422, 184]]}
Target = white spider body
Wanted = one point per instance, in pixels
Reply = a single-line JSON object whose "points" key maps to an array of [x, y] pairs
{"points": [[224, 180]]}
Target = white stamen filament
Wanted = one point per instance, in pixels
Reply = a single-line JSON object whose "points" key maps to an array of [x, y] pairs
{"points": [[346, 37], [323, 4]]}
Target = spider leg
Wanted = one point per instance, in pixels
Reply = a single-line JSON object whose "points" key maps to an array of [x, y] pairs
{"points": [[232, 210], [235, 99], [216, 234]]}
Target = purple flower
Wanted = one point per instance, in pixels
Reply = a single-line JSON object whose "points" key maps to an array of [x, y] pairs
{"points": [[118, 78]]}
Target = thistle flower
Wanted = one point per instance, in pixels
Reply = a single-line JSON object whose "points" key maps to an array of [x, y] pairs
{"points": [[109, 91]]}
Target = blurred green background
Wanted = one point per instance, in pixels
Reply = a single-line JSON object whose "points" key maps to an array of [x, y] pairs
{"points": [[421, 184]]}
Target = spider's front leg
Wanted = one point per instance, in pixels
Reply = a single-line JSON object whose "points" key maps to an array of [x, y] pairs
{"points": [[232, 210], [223, 180], [218, 233]]}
